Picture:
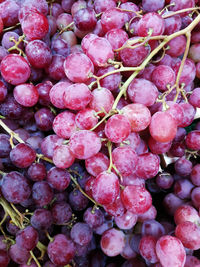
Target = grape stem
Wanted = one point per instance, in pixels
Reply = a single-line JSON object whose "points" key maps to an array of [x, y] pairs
{"points": [[179, 12], [188, 36]]}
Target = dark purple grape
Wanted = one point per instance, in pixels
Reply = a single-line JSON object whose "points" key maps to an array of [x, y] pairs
{"points": [[22, 155], [5, 147], [15, 187], [77, 200], [19, 254], [58, 178], [27, 238], [61, 250], [94, 218], [81, 233], [61, 212], [37, 172], [42, 193], [41, 219], [44, 119]]}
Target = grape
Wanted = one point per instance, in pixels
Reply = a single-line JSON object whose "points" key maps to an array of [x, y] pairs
{"points": [[86, 119], [26, 95], [97, 164], [171, 202], [44, 119], [113, 124], [15, 187], [116, 37], [151, 21], [81, 234], [32, 264], [193, 140], [61, 250], [186, 213], [111, 82], [150, 214], [158, 147], [170, 251], [93, 218], [85, 19], [126, 221], [147, 248], [134, 57], [59, 179], [163, 127], [5, 146], [78, 60], [194, 176], [188, 73], [152, 228], [147, 166], [162, 76], [63, 157], [176, 46], [182, 4], [15, 69], [112, 242], [84, 144], [183, 166], [138, 115], [60, 46], [77, 200], [113, 19], [136, 199], [195, 197], [35, 26], [102, 100], [43, 91], [101, 6], [105, 188], [42, 193], [125, 160], [38, 54], [56, 10], [152, 5], [188, 233], [9, 12], [164, 180], [99, 51], [175, 110], [116, 208], [188, 114], [147, 96], [27, 238], [191, 261], [77, 96], [18, 254], [41, 219], [56, 69], [64, 124], [194, 98], [61, 213]]}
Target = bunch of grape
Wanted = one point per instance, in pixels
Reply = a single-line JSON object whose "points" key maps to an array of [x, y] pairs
{"points": [[100, 133]]}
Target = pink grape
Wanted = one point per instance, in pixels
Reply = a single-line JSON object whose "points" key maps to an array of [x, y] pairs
{"points": [[112, 242], [163, 127], [136, 199], [105, 188], [170, 251], [112, 128], [80, 61], [84, 144], [26, 95]]}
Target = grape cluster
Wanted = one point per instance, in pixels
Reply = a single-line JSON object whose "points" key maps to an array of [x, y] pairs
{"points": [[99, 133]]}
